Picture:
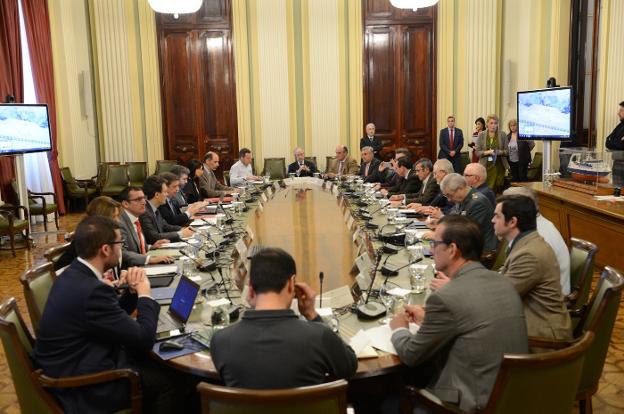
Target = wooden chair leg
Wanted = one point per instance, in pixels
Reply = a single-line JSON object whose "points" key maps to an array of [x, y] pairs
{"points": [[585, 405], [12, 239], [56, 219], [27, 238], [45, 222]]}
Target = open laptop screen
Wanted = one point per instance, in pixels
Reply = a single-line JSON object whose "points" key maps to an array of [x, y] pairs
{"points": [[183, 299]]}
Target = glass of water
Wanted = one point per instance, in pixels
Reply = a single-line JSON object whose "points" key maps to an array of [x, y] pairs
{"points": [[417, 278], [220, 317], [267, 178], [392, 214], [388, 300]]}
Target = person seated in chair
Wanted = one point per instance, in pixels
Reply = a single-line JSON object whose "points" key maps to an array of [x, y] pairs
{"points": [[241, 171], [342, 165], [170, 210], [271, 347], [369, 170], [301, 167]]}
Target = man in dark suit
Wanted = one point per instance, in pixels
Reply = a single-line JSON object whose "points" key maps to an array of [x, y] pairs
{"points": [[370, 140], [154, 226], [476, 177], [389, 177], [451, 142], [409, 183], [85, 328], [439, 205], [532, 267], [170, 211], [369, 170], [134, 244], [264, 350], [429, 188], [302, 167], [466, 326], [183, 175]]}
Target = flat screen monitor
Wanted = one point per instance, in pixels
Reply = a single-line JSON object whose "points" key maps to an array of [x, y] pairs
{"points": [[545, 114], [24, 128]]}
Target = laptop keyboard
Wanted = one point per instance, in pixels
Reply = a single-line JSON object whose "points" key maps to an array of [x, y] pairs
{"points": [[166, 322]]}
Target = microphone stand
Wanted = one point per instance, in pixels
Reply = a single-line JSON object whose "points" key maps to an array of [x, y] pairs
{"points": [[321, 277], [390, 272]]}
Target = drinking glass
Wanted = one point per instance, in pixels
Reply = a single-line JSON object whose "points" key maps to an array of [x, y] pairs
{"points": [[392, 214], [332, 322], [417, 278], [220, 317], [267, 178], [388, 301]]}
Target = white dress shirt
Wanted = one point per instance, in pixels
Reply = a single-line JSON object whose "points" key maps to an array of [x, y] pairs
{"points": [[549, 232], [238, 172]]}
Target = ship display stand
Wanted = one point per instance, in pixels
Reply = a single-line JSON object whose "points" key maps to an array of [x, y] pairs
{"points": [[588, 171]]}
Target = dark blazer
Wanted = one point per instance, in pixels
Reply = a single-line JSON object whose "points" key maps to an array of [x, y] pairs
{"points": [[524, 150], [443, 203], [155, 228], [292, 168], [131, 247], [85, 328], [374, 176], [445, 149], [172, 214], [488, 193], [180, 198], [70, 254], [469, 325], [192, 192], [377, 145], [265, 350], [408, 185], [480, 209], [426, 196]]}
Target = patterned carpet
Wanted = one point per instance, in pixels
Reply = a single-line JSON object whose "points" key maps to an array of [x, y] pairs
{"points": [[608, 400]]}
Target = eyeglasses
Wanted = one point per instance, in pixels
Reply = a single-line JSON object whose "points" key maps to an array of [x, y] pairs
{"points": [[436, 243], [116, 242], [469, 175], [138, 199]]}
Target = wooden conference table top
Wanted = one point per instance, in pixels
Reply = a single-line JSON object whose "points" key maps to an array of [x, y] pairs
{"points": [[309, 222]]}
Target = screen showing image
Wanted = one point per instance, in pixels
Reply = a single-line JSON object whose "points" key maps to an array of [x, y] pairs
{"points": [[24, 128], [545, 114], [184, 298]]}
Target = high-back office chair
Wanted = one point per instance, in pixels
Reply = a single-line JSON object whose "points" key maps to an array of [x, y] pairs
{"points": [[328, 160], [582, 255], [73, 189], [599, 318], [164, 166], [532, 383], [38, 205], [226, 177], [30, 385], [116, 180], [102, 171], [329, 398], [11, 225], [312, 159], [275, 167], [137, 173], [37, 283]]}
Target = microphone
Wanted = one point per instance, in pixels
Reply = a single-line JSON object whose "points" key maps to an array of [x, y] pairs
{"points": [[233, 310], [321, 277], [209, 252], [228, 218], [372, 310], [386, 271], [207, 266]]}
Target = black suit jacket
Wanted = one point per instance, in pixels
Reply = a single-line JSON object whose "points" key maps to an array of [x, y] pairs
{"points": [[85, 328], [192, 192], [445, 149], [374, 176], [155, 227], [173, 215], [292, 168], [377, 145], [432, 189], [408, 185]]}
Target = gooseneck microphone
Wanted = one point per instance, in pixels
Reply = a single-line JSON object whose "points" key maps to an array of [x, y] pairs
{"points": [[371, 310], [207, 266], [321, 277], [386, 271]]}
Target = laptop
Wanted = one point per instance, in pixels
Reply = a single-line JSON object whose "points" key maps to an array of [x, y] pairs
{"points": [[172, 323]]}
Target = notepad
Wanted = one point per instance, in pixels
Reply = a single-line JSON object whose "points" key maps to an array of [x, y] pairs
{"points": [[160, 270]]}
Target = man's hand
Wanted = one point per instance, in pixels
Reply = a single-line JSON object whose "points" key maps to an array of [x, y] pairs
{"points": [[452, 153], [377, 186], [138, 281], [305, 299], [160, 259], [331, 176], [415, 313], [440, 280], [158, 244], [397, 197], [383, 192], [400, 320], [382, 166], [186, 232], [428, 235], [414, 206], [396, 203], [435, 213]]}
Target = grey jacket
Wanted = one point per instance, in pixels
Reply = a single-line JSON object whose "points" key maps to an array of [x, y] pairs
{"points": [[469, 324], [210, 187], [131, 251]]}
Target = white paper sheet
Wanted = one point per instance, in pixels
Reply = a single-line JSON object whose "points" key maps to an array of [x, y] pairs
{"points": [[381, 337], [160, 270]]}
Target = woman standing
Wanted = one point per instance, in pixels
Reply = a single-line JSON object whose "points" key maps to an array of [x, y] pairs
{"points": [[479, 126], [519, 153], [492, 150]]}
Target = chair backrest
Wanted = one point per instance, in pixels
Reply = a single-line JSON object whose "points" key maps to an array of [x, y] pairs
{"points": [[18, 343], [582, 255], [312, 159], [326, 398], [226, 177], [68, 179], [599, 318], [116, 175], [37, 283], [276, 167], [164, 165], [137, 171], [501, 255], [534, 172], [102, 172], [539, 383], [54, 253], [328, 160], [15, 191]]}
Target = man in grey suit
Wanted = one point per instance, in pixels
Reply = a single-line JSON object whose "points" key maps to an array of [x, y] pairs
{"points": [[154, 226], [532, 267], [467, 325], [209, 186], [134, 246]]}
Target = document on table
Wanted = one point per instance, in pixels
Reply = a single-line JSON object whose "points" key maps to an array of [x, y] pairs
{"points": [[175, 245], [335, 298], [361, 345], [160, 270], [381, 337]]}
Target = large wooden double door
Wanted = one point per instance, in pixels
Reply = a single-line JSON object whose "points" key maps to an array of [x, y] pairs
{"points": [[198, 87], [399, 76]]}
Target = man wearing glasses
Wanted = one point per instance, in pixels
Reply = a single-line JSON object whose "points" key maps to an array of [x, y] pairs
{"points": [[133, 204], [466, 326], [476, 177], [85, 328]]}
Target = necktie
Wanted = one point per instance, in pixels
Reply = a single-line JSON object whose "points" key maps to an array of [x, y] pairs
{"points": [[158, 220], [171, 206], [366, 170], [140, 234], [451, 146], [340, 167]]}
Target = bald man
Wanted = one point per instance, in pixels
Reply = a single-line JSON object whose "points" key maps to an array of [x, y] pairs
{"points": [[476, 177], [343, 164], [301, 167], [370, 140]]}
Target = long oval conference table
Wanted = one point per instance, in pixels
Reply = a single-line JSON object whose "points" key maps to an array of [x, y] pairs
{"points": [[310, 221]]}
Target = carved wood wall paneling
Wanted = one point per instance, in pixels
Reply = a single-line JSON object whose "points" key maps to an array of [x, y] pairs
{"points": [[198, 86], [399, 76]]}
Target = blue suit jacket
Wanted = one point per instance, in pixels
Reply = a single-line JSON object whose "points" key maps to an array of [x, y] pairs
{"points": [[85, 328], [445, 149]]}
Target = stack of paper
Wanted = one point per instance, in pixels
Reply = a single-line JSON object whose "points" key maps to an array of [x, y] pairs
{"points": [[160, 270]]}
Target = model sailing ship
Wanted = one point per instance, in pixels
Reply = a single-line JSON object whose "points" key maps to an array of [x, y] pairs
{"points": [[588, 168]]}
